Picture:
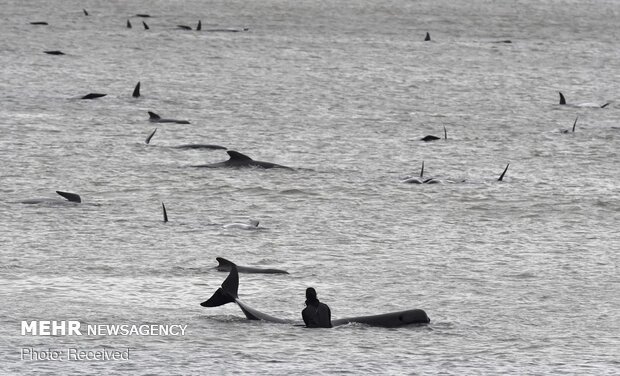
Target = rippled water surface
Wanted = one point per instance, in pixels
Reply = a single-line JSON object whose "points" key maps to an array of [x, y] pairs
{"points": [[518, 276]]}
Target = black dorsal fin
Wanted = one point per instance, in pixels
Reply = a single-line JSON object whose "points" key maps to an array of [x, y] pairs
{"points": [[153, 115], [85, 12], [163, 207], [445, 133], [575, 123], [128, 24], [427, 37], [199, 26], [605, 105], [136, 91], [73, 197], [501, 177], [148, 139], [236, 156], [422, 170], [146, 27], [562, 100]]}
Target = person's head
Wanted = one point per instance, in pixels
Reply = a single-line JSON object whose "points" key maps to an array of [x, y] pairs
{"points": [[311, 296]]}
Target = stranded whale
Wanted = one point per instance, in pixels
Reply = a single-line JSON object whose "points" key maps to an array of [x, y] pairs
{"points": [[226, 266], [241, 160], [70, 198], [188, 146], [228, 293], [154, 118], [591, 105]]}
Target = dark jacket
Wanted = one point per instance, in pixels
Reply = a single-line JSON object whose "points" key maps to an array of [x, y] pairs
{"points": [[317, 315]]}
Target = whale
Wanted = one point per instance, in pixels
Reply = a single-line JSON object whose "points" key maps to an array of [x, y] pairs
{"points": [[40, 23], [85, 12], [188, 146], [421, 180], [128, 24], [228, 293], [501, 177], [434, 138], [70, 198], [574, 125], [184, 27], [146, 27], [251, 225], [143, 15], [238, 160], [427, 37], [226, 266], [582, 105], [54, 52], [154, 118], [136, 91], [199, 26], [93, 96]]}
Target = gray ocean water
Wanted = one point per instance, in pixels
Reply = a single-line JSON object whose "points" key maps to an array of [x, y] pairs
{"points": [[518, 277]]}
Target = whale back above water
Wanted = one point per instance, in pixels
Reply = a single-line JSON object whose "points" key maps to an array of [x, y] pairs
{"points": [[225, 265], [229, 293], [239, 160], [581, 105], [154, 118]]}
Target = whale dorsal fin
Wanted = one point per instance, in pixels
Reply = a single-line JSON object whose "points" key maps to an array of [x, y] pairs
{"points": [[427, 37], [136, 91], [163, 207], [128, 24], [575, 123], [73, 197], [148, 139], [153, 115], [562, 100], [236, 156], [199, 26], [85, 12], [501, 177], [445, 133], [605, 105], [422, 170], [146, 27], [254, 222]]}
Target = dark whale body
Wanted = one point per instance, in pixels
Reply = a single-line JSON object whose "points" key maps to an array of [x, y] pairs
{"points": [[154, 118], [227, 293], [238, 160]]}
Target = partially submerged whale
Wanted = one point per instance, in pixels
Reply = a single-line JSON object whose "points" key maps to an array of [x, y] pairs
{"points": [[433, 138], [154, 118], [574, 125], [54, 52], [252, 225], [70, 198], [421, 180], [40, 23], [238, 160], [228, 293], [591, 105], [226, 266], [188, 146], [93, 96]]}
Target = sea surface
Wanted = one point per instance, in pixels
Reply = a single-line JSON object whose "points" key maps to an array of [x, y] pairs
{"points": [[518, 276]]}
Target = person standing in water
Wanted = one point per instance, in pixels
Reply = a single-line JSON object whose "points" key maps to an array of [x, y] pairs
{"points": [[316, 314]]}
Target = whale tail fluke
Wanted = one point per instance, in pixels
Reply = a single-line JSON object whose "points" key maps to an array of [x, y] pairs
{"points": [[227, 293], [163, 207], [136, 91], [427, 37], [153, 116], [562, 99], [501, 177], [73, 197]]}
